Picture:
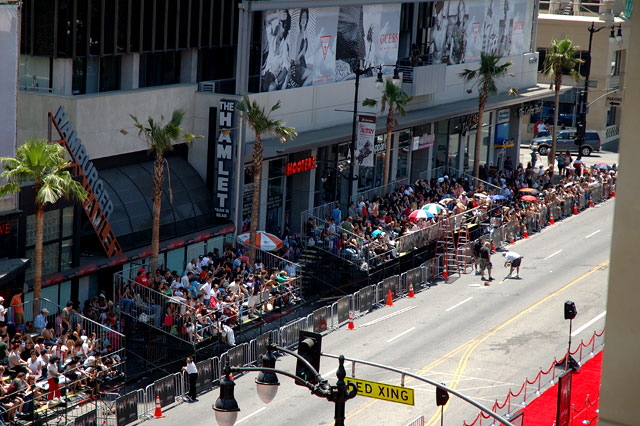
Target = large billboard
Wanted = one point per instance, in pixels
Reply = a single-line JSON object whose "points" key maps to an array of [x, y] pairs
{"points": [[304, 47], [461, 30]]}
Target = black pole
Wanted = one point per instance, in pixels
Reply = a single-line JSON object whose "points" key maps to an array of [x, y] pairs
{"points": [[352, 148], [584, 96], [340, 393], [566, 362]]}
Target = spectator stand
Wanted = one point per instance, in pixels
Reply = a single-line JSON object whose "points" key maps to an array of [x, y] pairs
{"points": [[91, 361]]}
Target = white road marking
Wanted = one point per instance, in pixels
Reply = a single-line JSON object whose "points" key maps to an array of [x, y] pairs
{"points": [[456, 305], [592, 234], [389, 316], [581, 329], [251, 415], [401, 334], [553, 254]]}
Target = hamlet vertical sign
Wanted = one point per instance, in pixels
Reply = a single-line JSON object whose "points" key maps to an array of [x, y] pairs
{"points": [[225, 149]]}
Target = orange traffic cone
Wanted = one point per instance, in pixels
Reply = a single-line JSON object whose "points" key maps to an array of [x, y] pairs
{"points": [[389, 299], [525, 233], [551, 220], [575, 208], [445, 274], [351, 325], [590, 201], [158, 413], [411, 293], [513, 239], [493, 247], [613, 193]]}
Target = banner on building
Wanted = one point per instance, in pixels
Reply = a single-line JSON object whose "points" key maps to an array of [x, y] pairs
{"points": [[461, 30], [422, 142], [366, 140], [304, 47], [8, 82], [225, 154]]}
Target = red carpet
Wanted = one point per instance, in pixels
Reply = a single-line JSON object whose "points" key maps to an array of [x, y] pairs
{"points": [[585, 392]]}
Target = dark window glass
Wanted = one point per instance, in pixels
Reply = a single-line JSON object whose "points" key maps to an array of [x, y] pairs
{"points": [[109, 29], [123, 25], [25, 29], [135, 26], [216, 63], [160, 24], [82, 24], [207, 8], [110, 73], [79, 81], [195, 23], [183, 33], [65, 28], [43, 31], [171, 24], [147, 30], [96, 26], [228, 16], [157, 69]]}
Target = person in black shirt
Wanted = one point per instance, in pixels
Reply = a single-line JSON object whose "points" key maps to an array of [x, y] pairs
{"points": [[485, 261]]}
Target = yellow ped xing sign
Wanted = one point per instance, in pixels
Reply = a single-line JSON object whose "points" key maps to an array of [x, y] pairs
{"points": [[383, 391]]}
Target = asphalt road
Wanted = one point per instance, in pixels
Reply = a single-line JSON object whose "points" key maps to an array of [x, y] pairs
{"points": [[482, 341]]}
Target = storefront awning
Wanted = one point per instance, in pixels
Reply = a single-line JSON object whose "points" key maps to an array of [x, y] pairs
{"points": [[10, 268], [187, 205], [342, 132]]}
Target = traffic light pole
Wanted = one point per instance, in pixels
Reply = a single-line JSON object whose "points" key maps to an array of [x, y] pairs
{"points": [[338, 394]]}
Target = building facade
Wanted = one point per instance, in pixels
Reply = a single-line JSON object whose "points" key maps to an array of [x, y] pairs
{"points": [[104, 61]]}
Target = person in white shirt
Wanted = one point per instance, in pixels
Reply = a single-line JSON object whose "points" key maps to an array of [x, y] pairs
{"points": [[3, 310], [291, 269], [205, 289], [514, 260], [192, 371]]}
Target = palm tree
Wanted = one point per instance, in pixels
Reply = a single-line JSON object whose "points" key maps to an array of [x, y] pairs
{"points": [[43, 164], [261, 123], [159, 140], [396, 99], [485, 77], [560, 58]]}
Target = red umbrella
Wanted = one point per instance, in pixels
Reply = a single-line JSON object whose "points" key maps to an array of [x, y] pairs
{"points": [[528, 198]]}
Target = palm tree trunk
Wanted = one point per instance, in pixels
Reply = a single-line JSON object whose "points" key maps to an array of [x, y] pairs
{"points": [[37, 261], [556, 105], [387, 148], [476, 152], [255, 203], [158, 179]]}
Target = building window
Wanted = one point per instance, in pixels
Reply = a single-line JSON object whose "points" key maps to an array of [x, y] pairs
{"points": [[612, 116], [58, 241]]}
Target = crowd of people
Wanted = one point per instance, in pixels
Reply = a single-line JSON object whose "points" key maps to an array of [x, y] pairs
{"points": [[43, 360], [370, 230], [211, 295]]}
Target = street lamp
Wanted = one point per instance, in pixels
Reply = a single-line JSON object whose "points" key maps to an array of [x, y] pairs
{"points": [[352, 148], [584, 95], [226, 408]]}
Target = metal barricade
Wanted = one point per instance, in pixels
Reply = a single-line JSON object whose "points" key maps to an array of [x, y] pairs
{"points": [[366, 298], [344, 305], [320, 323], [418, 421]]}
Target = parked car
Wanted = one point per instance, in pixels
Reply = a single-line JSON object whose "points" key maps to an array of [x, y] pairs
{"points": [[566, 141]]}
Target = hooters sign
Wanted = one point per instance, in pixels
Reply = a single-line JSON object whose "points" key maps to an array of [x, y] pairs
{"points": [[300, 166]]}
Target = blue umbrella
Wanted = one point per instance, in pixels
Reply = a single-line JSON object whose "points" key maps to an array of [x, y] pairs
{"points": [[498, 197], [376, 233]]}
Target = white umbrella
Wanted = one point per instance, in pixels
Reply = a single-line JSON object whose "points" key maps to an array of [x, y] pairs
{"points": [[264, 241]]}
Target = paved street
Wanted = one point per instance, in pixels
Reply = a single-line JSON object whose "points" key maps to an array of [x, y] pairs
{"points": [[482, 341]]}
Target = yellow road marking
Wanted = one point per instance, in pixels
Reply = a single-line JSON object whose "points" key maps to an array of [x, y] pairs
{"points": [[472, 344]]}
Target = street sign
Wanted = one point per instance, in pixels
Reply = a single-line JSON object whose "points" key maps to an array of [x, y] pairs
{"points": [[383, 391]]}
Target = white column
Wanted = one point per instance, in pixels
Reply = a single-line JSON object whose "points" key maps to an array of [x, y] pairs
{"points": [[130, 71], [62, 76], [189, 66]]}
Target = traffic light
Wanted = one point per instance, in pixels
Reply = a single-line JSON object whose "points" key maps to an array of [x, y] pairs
{"points": [[442, 396], [309, 348], [580, 131]]}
